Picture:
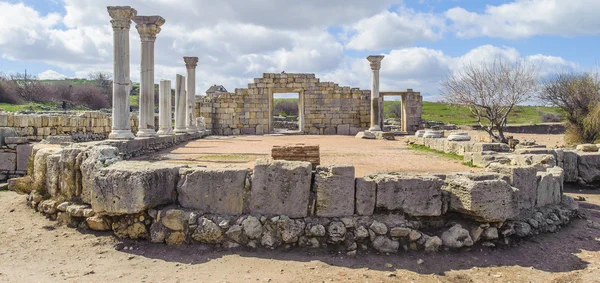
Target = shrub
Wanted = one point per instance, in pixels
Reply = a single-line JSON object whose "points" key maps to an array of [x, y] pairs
{"points": [[550, 117], [286, 108], [91, 96]]}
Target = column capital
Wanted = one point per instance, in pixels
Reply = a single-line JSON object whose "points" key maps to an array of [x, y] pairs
{"points": [[190, 62], [375, 61], [121, 16], [148, 26]]}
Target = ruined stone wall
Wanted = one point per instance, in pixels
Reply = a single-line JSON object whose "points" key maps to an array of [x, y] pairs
{"points": [[327, 107], [287, 203], [14, 155], [82, 126]]}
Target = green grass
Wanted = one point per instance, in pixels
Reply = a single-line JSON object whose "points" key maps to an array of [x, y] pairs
{"points": [[36, 106], [277, 100], [452, 156], [460, 115]]}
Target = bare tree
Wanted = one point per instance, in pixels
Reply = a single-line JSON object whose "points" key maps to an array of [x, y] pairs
{"points": [[577, 95], [104, 82], [27, 86], [396, 110], [491, 91]]}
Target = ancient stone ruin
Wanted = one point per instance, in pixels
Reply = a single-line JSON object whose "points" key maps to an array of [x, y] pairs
{"points": [[279, 203]]}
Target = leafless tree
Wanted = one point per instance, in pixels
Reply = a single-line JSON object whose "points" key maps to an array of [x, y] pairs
{"points": [[577, 95], [27, 86], [103, 81], [491, 91], [396, 110]]}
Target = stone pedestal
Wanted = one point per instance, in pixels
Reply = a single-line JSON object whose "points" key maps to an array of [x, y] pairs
{"points": [[121, 23], [375, 61], [164, 108], [148, 27], [180, 104], [190, 122]]}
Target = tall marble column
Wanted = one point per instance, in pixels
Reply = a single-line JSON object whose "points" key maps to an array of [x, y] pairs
{"points": [[375, 61], [148, 27], [121, 23], [190, 65], [180, 104], [164, 108]]}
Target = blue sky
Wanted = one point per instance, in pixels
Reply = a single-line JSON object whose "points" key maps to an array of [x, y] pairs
{"points": [[237, 40]]}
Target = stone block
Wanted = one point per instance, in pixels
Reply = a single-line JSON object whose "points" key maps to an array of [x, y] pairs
{"points": [[130, 187], [485, 199], [414, 195], [21, 185], [15, 140], [483, 146], [343, 130], [334, 188], [522, 178], [6, 132], [549, 186], [70, 173], [23, 154], [589, 166], [39, 168], [570, 166], [53, 174], [280, 187], [8, 161], [213, 190], [539, 161], [366, 195]]}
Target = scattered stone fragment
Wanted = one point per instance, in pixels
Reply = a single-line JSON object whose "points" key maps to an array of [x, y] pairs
{"points": [[456, 237]]}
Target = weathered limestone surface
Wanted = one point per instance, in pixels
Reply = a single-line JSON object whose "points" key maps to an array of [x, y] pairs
{"points": [[589, 166], [280, 187], [366, 195], [213, 190], [570, 166], [482, 197], [297, 152], [93, 160], [415, 195], [70, 172], [523, 178], [8, 161], [334, 187], [130, 187], [39, 168], [549, 186]]}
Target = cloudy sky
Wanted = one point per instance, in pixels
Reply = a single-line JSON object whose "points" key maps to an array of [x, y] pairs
{"points": [[237, 40]]}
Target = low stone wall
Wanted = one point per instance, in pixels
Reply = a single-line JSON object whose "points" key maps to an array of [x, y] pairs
{"points": [[82, 126], [297, 152], [578, 166], [14, 156], [287, 203]]}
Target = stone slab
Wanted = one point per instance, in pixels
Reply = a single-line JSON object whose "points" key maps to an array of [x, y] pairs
{"points": [[23, 154], [334, 188], [414, 195], [280, 187], [8, 161], [366, 195]]}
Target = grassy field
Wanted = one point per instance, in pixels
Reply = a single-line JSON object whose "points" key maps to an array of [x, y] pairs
{"points": [[35, 106]]}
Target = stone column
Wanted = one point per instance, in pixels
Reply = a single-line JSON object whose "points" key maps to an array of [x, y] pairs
{"points": [[164, 108], [148, 27], [121, 22], [375, 61], [190, 65], [180, 104]]}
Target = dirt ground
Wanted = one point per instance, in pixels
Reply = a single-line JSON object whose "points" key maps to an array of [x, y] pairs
{"points": [[33, 249], [367, 156]]}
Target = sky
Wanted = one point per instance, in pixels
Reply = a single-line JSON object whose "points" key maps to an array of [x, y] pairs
{"points": [[237, 40]]}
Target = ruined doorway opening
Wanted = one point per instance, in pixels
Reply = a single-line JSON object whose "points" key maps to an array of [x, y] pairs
{"points": [[392, 113], [287, 113]]}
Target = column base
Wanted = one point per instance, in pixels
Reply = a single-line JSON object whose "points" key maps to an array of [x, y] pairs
{"points": [[191, 130], [178, 131], [165, 132], [146, 133], [121, 135], [375, 129]]}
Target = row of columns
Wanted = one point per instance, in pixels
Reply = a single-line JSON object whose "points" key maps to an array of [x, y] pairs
{"points": [[185, 96]]}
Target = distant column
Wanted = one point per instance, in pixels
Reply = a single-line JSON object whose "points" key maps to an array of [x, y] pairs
{"points": [[375, 61], [180, 104], [148, 27], [190, 65], [121, 23], [164, 108]]}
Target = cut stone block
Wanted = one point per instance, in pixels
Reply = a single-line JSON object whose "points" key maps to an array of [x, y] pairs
{"points": [[522, 178], [570, 166], [414, 195], [549, 186], [8, 161], [23, 154], [589, 166], [334, 188], [213, 190], [486, 200], [130, 187], [366, 195], [280, 187], [343, 129]]}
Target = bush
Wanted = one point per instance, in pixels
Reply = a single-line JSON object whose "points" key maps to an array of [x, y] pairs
{"points": [[395, 110], [91, 96], [286, 108], [550, 117], [8, 93]]}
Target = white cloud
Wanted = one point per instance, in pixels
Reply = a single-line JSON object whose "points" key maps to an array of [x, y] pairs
{"points": [[525, 18], [51, 75], [395, 30]]}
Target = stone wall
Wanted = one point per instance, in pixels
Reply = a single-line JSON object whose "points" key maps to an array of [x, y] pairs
{"points": [[297, 152], [81, 126], [325, 107], [287, 203], [14, 155]]}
